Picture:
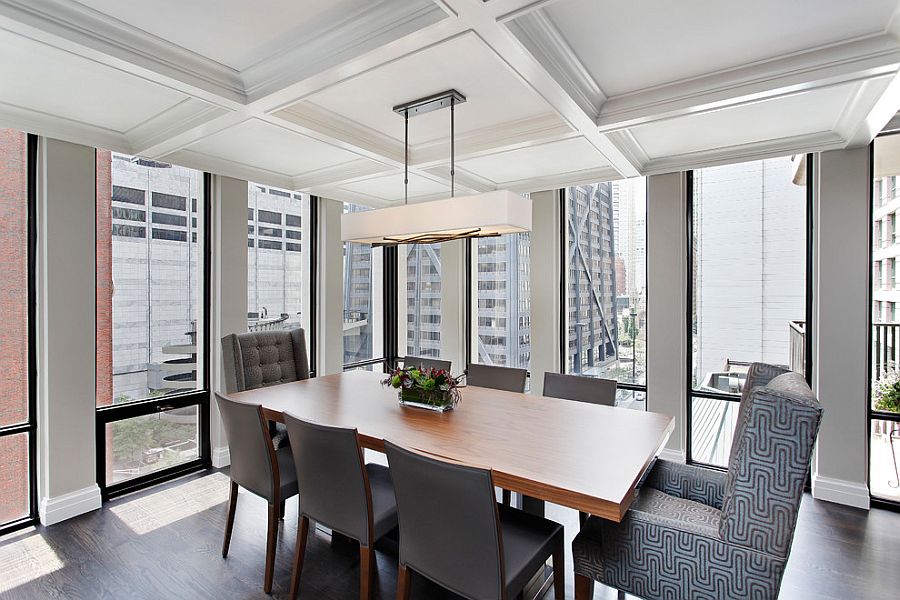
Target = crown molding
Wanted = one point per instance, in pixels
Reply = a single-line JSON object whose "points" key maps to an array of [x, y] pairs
{"points": [[857, 60], [629, 146], [802, 144], [869, 119], [221, 166], [91, 29], [559, 180], [186, 115], [362, 168], [547, 44], [61, 128]]}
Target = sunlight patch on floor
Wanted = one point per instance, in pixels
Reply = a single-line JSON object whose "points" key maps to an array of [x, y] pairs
{"points": [[149, 513], [25, 557]]}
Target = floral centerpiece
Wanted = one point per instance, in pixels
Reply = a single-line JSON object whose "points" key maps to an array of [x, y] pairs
{"points": [[434, 389], [886, 392]]}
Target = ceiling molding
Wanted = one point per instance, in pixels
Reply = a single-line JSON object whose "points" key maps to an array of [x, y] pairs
{"points": [[857, 60], [626, 142], [545, 42], [91, 29], [61, 128], [559, 180], [802, 144], [878, 116], [464, 179], [221, 166], [343, 173], [185, 115]]}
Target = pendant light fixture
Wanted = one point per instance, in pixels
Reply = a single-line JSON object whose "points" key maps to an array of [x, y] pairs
{"points": [[480, 215]]}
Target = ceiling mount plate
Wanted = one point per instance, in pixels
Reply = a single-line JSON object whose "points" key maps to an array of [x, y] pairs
{"points": [[429, 103]]}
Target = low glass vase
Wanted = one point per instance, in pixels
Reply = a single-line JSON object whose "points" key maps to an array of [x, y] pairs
{"points": [[437, 401]]}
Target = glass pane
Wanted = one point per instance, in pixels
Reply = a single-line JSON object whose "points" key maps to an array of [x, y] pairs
{"points": [[606, 250], [501, 307], [148, 443], [149, 277], [274, 263], [712, 429], [14, 282], [420, 322], [884, 447], [749, 276], [363, 299], [14, 494], [374, 368], [631, 399]]}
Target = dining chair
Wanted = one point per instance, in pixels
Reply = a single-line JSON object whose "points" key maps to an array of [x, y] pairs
{"points": [[453, 532], [256, 359], [579, 388], [710, 534], [258, 468], [340, 491], [427, 363], [496, 378]]}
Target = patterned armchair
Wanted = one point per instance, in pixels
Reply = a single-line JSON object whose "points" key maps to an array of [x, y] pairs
{"points": [[697, 533]]}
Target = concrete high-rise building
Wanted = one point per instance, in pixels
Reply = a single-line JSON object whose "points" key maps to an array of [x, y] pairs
{"points": [[423, 299]]}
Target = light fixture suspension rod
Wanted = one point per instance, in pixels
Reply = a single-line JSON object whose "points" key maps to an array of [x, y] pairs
{"points": [[452, 148], [406, 156]]}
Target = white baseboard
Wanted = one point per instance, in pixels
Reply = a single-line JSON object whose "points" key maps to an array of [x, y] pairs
{"points": [[221, 457], [60, 508], [673, 455], [849, 493]]}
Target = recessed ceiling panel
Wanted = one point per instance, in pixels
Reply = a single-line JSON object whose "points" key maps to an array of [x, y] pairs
{"points": [[629, 46], [261, 145], [389, 188], [495, 95], [42, 78], [235, 33], [800, 114], [576, 154]]}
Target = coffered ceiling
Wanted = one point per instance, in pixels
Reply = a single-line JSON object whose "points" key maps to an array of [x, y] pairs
{"points": [[298, 93]]}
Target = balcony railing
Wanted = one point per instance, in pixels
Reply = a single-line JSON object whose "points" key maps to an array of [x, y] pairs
{"points": [[885, 338], [797, 331]]}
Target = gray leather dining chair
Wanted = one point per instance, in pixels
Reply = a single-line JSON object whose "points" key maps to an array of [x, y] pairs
{"points": [[340, 491], [496, 378], [427, 363], [453, 532], [579, 388], [710, 534], [256, 359], [258, 468]]}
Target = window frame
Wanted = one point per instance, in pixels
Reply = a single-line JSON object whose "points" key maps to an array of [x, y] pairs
{"points": [[809, 327], [200, 397], [29, 426]]}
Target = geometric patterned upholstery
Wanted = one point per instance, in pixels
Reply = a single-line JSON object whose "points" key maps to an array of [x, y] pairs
{"points": [[697, 533]]}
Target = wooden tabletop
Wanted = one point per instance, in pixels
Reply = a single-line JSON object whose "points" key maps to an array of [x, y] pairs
{"points": [[584, 456]]}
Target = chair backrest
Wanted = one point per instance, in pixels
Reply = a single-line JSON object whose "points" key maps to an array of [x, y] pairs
{"points": [[257, 359], [497, 378], [592, 390], [449, 525], [253, 462], [427, 363], [331, 477], [772, 449], [758, 375]]}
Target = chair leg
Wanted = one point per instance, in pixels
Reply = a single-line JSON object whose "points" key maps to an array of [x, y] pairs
{"points": [[229, 521], [299, 554], [366, 572], [403, 582], [271, 543], [584, 587], [507, 497], [559, 572]]}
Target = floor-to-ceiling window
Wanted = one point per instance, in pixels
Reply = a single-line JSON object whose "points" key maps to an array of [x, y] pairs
{"points": [[884, 401], [363, 303], [500, 303], [152, 279], [275, 258], [605, 317], [420, 299], [748, 274], [17, 418]]}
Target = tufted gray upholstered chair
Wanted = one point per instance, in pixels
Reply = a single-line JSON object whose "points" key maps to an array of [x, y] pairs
{"points": [[592, 390], [340, 491], [257, 467], [453, 532], [708, 534], [496, 378], [258, 359], [427, 363]]}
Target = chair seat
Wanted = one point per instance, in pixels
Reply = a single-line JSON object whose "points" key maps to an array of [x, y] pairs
{"points": [[384, 505], [286, 472], [528, 540]]}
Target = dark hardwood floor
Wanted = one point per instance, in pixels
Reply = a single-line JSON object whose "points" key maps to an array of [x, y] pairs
{"points": [[166, 543]]}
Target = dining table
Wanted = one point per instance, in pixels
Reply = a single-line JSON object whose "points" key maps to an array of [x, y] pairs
{"points": [[589, 457]]}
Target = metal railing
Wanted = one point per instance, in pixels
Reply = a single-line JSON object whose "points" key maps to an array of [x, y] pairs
{"points": [[885, 339], [797, 331]]}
